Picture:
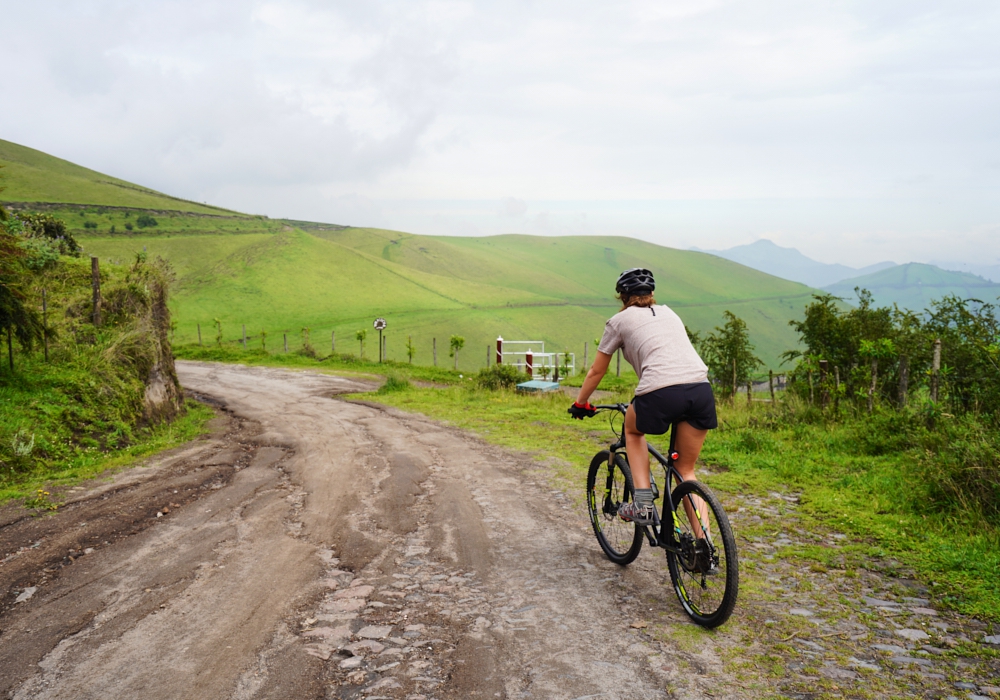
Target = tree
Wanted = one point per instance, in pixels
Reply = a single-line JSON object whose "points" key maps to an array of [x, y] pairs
{"points": [[17, 320], [360, 337], [457, 342], [729, 354]]}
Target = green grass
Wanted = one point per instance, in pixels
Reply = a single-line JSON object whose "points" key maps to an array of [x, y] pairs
{"points": [[877, 499], [85, 463], [32, 176]]}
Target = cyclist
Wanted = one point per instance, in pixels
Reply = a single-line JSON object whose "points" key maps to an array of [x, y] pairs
{"points": [[673, 385]]}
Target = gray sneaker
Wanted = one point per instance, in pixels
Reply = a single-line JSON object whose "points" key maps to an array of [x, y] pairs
{"points": [[633, 512]]}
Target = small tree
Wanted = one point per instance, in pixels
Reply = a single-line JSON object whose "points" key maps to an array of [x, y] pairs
{"points": [[729, 354], [360, 336], [873, 351], [457, 342], [411, 349]]}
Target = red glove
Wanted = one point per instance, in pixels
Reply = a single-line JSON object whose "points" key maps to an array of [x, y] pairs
{"points": [[582, 410]]}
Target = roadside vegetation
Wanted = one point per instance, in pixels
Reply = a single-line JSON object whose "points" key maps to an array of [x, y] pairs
{"points": [[73, 384]]}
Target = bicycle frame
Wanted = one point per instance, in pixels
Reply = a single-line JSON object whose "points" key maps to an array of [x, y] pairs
{"points": [[656, 534]]}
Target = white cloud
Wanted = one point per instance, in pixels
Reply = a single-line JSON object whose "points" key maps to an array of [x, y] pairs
{"points": [[848, 130]]}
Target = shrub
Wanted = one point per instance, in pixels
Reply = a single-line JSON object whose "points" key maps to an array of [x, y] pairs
{"points": [[90, 224], [145, 221], [393, 383], [128, 227], [500, 377]]}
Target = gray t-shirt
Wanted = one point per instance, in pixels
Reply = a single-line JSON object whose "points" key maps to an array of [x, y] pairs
{"points": [[655, 343]]}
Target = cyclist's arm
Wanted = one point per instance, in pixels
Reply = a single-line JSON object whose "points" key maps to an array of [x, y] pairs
{"points": [[594, 376]]}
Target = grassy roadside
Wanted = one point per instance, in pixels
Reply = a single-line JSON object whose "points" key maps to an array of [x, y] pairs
{"points": [[843, 484], [89, 462]]}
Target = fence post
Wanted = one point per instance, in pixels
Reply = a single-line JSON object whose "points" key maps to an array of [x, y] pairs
{"points": [[529, 361], [333, 342], [871, 388], [499, 350], [770, 383], [434, 344], [734, 379], [487, 357], [904, 379], [285, 334], [585, 367], [45, 324], [812, 396], [244, 336], [199, 334], [749, 392], [824, 392], [95, 283], [836, 385], [936, 371]]}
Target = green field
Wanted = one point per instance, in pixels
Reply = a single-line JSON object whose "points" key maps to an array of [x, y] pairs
{"points": [[282, 276]]}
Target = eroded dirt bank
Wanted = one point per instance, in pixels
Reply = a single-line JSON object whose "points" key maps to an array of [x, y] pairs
{"points": [[316, 548]]}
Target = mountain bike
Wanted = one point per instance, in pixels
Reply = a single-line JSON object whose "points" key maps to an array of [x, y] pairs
{"points": [[698, 539]]}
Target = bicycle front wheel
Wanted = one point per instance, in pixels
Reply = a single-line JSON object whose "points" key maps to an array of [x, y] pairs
{"points": [[705, 573], [609, 485]]}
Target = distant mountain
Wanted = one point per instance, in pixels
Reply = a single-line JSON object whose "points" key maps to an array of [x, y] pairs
{"points": [[915, 285], [790, 264], [983, 269]]}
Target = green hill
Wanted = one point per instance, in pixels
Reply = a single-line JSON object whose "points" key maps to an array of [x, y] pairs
{"points": [[283, 276], [915, 285]]}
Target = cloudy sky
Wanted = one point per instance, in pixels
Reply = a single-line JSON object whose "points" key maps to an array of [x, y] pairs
{"points": [[855, 131]]}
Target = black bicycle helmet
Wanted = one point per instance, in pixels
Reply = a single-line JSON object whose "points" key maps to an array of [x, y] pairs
{"points": [[635, 281]]}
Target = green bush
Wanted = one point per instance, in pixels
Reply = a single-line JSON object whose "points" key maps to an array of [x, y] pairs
{"points": [[145, 221], [500, 377], [393, 383]]}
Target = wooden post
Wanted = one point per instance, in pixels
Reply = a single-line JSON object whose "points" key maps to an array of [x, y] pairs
{"points": [[285, 335], [244, 336], [409, 346], [529, 362], [45, 325], [936, 371], [487, 357], [199, 334], [618, 363], [585, 367], [734, 379], [871, 387], [770, 383], [812, 396], [333, 342], [434, 347], [749, 392], [904, 379], [95, 283], [824, 392]]}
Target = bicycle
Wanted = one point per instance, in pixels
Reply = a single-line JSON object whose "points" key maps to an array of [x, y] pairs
{"points": [[704, 571]]}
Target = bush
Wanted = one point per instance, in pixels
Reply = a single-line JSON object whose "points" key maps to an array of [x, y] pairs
{"points": [[962, 463], [393, 383], [145, 221], [128, 227], [500, 377], [90, 224]]}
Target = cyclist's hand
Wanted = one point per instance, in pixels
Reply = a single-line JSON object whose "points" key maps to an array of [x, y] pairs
{"points": [[582, 410]]}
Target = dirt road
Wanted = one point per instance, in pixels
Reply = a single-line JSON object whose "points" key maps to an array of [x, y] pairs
{"points": [[245, 564], [318, 548]]}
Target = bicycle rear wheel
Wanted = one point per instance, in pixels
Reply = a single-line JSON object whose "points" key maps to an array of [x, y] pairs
{"points": [[608, 487], [705, 574]]}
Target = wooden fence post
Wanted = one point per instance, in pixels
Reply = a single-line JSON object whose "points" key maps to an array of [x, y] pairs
{"points": [[904, 379], [871, 387], [487, 357], [824, 392], [244, 336], [199, 334], [434, 344], [333, 342], [95, 283], [285, 335], [45, 324], [770, 383], [812, 396], [749, 392], [734, 379], [936, 371]]}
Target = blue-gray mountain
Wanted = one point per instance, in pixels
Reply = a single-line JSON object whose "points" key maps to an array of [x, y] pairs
{"points": [[790, 264], [915, 285]]}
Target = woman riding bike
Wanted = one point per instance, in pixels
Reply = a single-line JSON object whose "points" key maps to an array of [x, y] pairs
{"points": [[673, 386]]}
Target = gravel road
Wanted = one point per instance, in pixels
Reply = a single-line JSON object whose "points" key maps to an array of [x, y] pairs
{"points": [[319, 548]]}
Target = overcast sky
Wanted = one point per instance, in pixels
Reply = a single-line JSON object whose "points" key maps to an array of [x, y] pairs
{"points": [[854, 131]]}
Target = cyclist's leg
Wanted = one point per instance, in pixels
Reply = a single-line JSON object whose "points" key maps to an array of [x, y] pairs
{"points": [[689, 443], [638, 453]]}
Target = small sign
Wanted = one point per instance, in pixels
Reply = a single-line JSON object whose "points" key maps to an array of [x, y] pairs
{"points": [[379, 324]]}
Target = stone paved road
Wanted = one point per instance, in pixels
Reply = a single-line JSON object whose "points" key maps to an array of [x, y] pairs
{"points": [[327, 549]]}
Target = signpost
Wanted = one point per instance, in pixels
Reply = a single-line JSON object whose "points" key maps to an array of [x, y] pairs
{"points": [[380, 326]]}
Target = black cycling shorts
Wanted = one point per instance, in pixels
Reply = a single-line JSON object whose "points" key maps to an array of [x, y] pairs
{"points": [[656, 411]]}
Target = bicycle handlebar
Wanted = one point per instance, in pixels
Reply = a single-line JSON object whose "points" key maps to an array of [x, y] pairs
{"points": [[620, 407]]}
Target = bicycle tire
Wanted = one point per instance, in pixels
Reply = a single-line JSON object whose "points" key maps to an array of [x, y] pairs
{"points": [[608, 486], [700, 594]]}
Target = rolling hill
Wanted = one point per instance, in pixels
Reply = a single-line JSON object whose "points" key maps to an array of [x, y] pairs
{"points": [[915, 285], [282, 276]]}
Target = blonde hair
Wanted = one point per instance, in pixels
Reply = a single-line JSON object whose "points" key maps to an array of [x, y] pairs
{"points": [[640, 300]]}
